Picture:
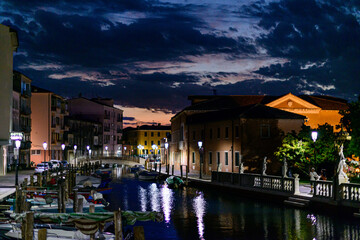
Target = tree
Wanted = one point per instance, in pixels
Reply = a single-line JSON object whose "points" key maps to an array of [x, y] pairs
{"points": [[351, 123], [302, 153]]}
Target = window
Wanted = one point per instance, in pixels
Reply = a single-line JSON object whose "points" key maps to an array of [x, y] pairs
{"points": [[226, 158], [218, 133], [35, 152], [152, 134], [218, 157], [194, 134], [145, 134], [193, 157], [210, 158], [145, 143], [227, 132], [237, 158], [237, 131], [159, 143], [158, 134], [152, 143], [210, 133], [264, 130]]}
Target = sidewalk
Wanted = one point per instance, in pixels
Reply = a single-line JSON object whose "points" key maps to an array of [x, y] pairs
{"points": [[7, 182]]}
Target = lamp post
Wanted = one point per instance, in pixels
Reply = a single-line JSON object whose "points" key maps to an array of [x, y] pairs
{"points": [[45, 147], [88, 148], [314, 135], [200, 144], [106, 150], [140, 147], [75, 147], [154, 147], [125, 151], [63, 148], [17, 144], [166, 157]]}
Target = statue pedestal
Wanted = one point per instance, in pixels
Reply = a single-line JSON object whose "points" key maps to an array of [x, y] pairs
{"points": [[297, 184], [343, 179]]}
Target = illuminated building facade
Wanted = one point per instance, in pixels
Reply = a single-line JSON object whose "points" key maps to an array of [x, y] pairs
{"points": [[146, 136]]}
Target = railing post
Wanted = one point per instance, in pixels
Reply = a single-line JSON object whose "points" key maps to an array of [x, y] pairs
{"points": [[181, 171]]}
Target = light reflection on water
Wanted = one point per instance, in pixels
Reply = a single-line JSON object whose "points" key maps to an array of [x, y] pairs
{"points": [[193, 214], [199, 208], [167, 202]]}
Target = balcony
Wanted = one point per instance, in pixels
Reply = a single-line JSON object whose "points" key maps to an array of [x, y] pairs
{"points": [[26, 93]]}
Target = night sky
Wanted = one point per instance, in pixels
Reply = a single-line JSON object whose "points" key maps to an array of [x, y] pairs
{"points": [[150, 55]]}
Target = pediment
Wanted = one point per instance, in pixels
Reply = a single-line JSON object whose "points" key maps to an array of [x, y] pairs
{"points": [[291, 102]]}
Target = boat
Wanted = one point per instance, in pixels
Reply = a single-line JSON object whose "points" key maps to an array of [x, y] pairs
{"points": [[174, 182], [59, 234], [87, 181], [136, 168], [146, 175]]}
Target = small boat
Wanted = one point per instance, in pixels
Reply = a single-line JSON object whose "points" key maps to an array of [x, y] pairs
{"points": [[146, 175], [87, 181], [136, 168], [174, 182], [59, 234]]}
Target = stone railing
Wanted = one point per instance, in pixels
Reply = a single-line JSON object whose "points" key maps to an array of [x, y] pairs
{"points": [[350, 192], [323, 189], [266, 182]]}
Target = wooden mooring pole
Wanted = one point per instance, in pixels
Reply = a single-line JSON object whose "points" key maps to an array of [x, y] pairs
{"points": [[118, 225]]}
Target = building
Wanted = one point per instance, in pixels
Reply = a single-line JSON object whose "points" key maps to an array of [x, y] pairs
{"points": [[48, 112], [21, 120], [144, 137], [318, 110], [83, 133], [101, 110], [229, 136], [8, 44]]}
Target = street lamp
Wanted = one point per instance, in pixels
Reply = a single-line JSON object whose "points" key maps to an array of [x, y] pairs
{"points": [[88, 148], [140, 147], [45, 147], [106, 149], [200, 144], [314, 135], [63, 148], [166, 157], [17, 144], [125, 151], [75, 147], [154, 147]]}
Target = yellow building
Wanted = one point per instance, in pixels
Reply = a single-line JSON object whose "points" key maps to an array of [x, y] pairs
{"points": [[143, 138]]}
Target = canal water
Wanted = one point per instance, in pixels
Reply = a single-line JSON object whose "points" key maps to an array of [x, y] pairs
{"points": [[208, 214]]}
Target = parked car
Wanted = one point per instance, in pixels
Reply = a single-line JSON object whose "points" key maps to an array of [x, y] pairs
{"points": [[55, 163], [41, 167], [64, 163]]}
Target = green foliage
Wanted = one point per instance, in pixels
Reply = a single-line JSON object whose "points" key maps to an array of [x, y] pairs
{"points": [[351, 122], [302, 153]]}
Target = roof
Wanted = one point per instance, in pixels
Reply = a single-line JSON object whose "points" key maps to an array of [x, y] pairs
{"points": [[95, 101], [254, 111], [36, 89], [149, 127], [326, 102]]}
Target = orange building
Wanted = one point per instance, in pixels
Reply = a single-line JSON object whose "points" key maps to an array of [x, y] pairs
{"points": [[245, 129], [48, 111]]}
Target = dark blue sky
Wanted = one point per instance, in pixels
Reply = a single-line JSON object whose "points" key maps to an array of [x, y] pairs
{"points": [[153, 54]]}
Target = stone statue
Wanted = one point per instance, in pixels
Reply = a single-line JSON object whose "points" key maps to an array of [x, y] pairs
{"points": [[264, 166], [285, 168], [343, 178], [241, 167]]}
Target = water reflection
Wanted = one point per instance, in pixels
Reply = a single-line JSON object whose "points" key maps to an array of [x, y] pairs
{"points": [[143, 200], [154, 197], [199, 205], [167, 202], [188, 212]]}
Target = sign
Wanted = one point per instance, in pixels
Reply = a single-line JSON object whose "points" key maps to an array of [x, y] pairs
{"points": [[16, 136]]}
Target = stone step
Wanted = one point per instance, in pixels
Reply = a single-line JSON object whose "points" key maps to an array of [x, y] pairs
{"points": [[296, 204], [295, 199]]}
